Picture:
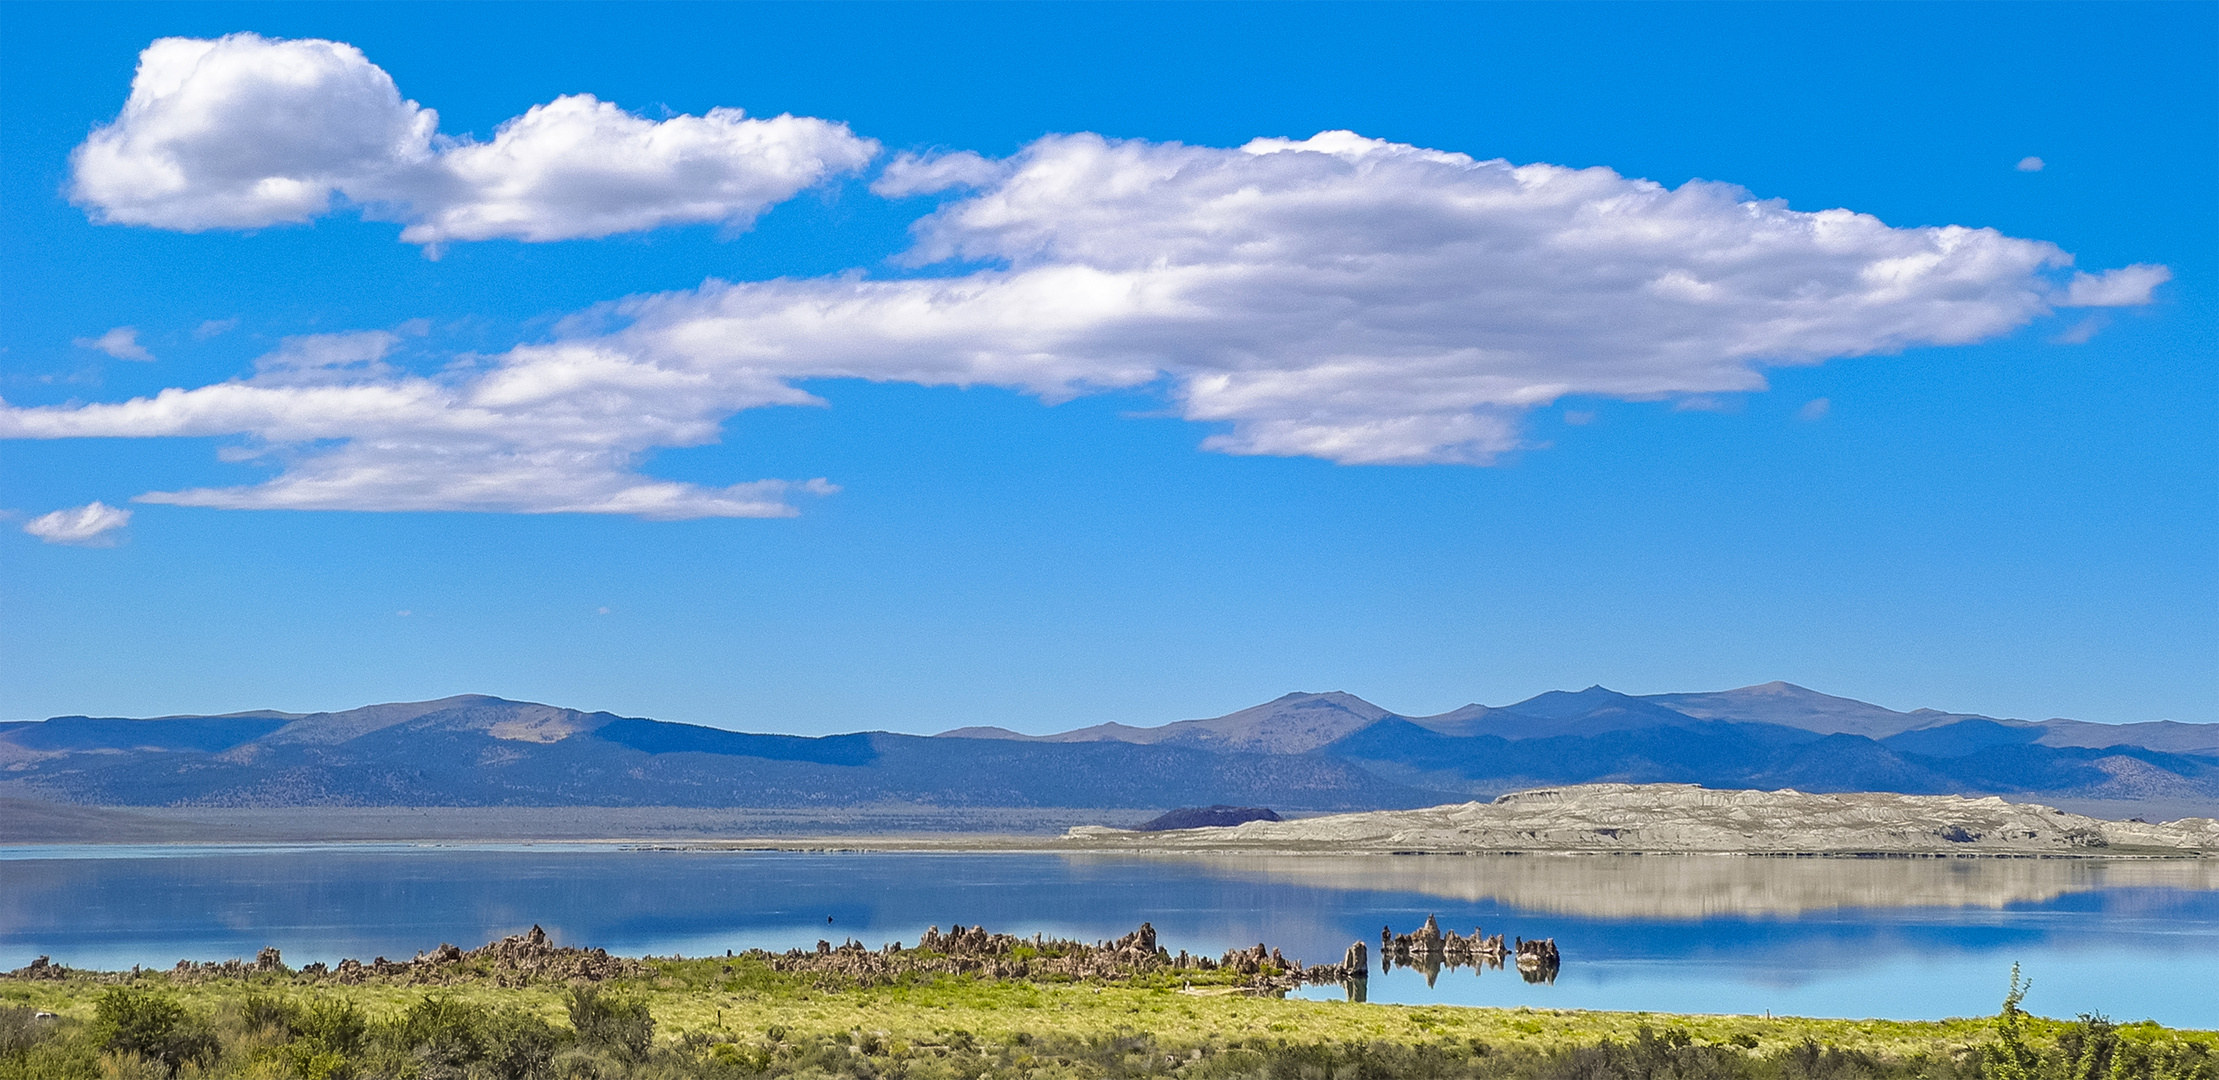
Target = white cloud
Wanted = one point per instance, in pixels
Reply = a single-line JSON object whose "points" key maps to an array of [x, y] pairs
{"points": [[1707, 403], [214, 327], [322, 359], [579, 167], [90, 525], [2084, 331], [2128, 286], [490, 477], [1359, 301], [2030, 164], [1340, 298], [922, 174], [1815, 409], [244, 131], [121, 343]]}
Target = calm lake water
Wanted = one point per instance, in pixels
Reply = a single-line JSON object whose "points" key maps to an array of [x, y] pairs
{"points": [[1899, 938]]}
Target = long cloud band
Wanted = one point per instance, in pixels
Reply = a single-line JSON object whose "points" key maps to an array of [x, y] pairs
{"points": [[1338, 297]]}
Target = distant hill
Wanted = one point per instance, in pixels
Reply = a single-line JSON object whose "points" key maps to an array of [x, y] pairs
{"points": [[1790, 705], [1207, 817], [484, 751], [1300, 753], [1293, 724]]}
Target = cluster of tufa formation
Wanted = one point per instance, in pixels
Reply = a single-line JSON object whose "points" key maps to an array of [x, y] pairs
{"points": [[267, 962], [42, 969], [964, 951], [512, 961], [973, 950]]}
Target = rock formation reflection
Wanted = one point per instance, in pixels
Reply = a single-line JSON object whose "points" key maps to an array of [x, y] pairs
{"points": [[1704, 886], [1428, 950]]}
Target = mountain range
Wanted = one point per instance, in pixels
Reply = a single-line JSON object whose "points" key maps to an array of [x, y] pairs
{"points": [[1301, 752]]}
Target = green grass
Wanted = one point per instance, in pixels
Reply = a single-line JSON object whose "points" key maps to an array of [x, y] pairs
{"points": [[740, 1018]]}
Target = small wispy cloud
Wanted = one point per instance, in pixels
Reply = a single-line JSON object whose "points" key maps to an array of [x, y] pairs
{"points": [[121, 343], [2030, 163], [91, 525], [924, 174], [2082, 332], [1706, 403], [2127, 286], [214, 327], [1814, 409], [327, 359]]}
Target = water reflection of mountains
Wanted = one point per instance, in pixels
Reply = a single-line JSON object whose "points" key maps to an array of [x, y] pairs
{"points": [[1700, 886]]}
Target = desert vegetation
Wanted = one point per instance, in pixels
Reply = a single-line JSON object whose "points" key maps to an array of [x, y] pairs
{"points": [[750, 1016]]}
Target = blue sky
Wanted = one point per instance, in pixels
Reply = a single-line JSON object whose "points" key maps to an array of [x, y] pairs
{"points": [[1472, 432]]}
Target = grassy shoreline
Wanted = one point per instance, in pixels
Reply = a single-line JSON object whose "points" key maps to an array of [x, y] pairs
{"points": [[745, 1017]]}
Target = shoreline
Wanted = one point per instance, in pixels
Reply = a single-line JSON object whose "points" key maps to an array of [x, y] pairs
{"points": [[1631, 819], [995, 986], [998, 844]]}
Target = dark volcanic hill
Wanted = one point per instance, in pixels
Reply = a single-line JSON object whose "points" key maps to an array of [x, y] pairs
{"points": [[1300, 752]]}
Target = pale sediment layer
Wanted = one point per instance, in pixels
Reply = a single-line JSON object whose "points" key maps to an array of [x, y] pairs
{"points": [[1685, 818]]}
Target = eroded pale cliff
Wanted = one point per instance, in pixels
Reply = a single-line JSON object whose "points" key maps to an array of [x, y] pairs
{"points": [[1688, 818]]}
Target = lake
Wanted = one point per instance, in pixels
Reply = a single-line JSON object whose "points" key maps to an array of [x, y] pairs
{"points": [[1884, 937]]}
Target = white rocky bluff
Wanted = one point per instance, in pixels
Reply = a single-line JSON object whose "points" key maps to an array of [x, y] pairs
{"points": [[1671, 818]]}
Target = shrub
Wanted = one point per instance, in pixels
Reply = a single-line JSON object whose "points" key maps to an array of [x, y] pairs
{"points": [[1810, 1061], [324, 1038], [518, 1044], [437, 1038], [619, 1025], [21, 1029], [2009, 1057], [146, 1024], [2088, 1047], [332, 1025], [124, 1065], [261, 1012], [442, 1035]]}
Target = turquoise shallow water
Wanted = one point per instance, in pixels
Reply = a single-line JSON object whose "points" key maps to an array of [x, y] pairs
{"points": [[1901, 938]]}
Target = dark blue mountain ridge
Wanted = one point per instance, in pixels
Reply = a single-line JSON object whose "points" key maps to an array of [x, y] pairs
{"points": [[1303, 721], [208, 733], [1989, 759], [657, 737], [1587, 712], [1572, 705], [481, 751], [1299, 752], [1962, 738], [1712, 753]]}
